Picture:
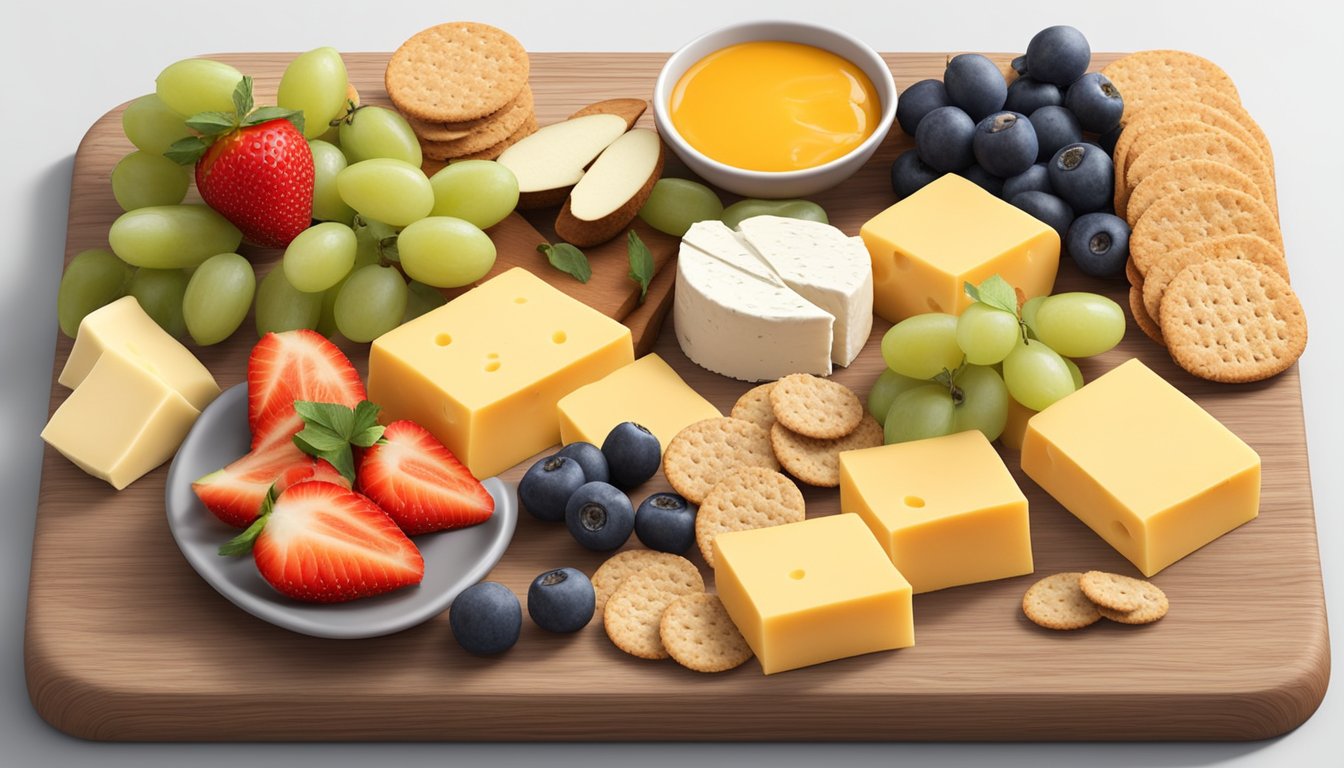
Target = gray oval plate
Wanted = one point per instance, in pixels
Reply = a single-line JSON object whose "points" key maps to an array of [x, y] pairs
{"points": [[454, 560]]}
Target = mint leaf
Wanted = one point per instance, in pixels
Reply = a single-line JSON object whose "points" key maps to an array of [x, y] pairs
{"points": [[567, 259], [996, 292], [329, 429], [317, 440], [641, 264]]}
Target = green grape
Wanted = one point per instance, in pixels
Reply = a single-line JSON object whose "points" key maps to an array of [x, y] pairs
{"points": [[445, 252], [319, 256], [984, 402], [282, 307], [197, 85], [1036, 375], [366, 253], [151, 125], [218, 296], [328, 161], [923, 346], [141, 179], [1075, 372], [172, 236], [94, 278], [377, 132], [391, 191], [160, 293], [371, 303], [675, 204], [1029, 309], [789, 209], [920, 413], [482, 192], [421, 298], [977, 400], [986, 334], [314, 82], [1079, 324], [888, 385]]}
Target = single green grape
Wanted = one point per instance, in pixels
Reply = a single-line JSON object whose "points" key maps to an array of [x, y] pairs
{"points": [[391, 191], [445, 252], [977, 399], [923, 346], [141, 179], [1036, 375], [789, 209], [986, 334], [366, 253], [94, 278], [889, 384], [984, 401], [197, 85], [218, 296], [314, 83], [172, 236], [371, 303], [1029, 309], [1075, 372], [320, 256], [151, 125], [675, 204], [421, 298], [482, 192], [920, 413], [373, 132], [1079, 324], [282, 307], [160, 293], [328, 162]]}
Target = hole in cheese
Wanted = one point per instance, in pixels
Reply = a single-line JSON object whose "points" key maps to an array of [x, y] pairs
{"points": [[559, 337], [913, 501], [492, 366], [934, 306], [797, 574], [520, 300], [1120, 529], [443, 339]]}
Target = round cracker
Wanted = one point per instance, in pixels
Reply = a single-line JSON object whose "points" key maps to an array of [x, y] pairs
{"points": [[633, 614], [437, 151], [1120, 593], [1057, 602], [705, 452], [1221, 112], [700, 635], [1142, 319], [475, 135], [1243, 247], [1182, 176], [754, 406], [816, 407], [1146, 76], [1197, 216], [817, 462], [750, 497], [455, 72], [1211, 144], [609, 575]]}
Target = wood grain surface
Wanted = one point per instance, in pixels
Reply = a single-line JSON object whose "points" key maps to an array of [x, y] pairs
{"points": [[125, 642]]}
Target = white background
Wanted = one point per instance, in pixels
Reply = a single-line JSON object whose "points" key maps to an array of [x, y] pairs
{"points": [[65, 64]]}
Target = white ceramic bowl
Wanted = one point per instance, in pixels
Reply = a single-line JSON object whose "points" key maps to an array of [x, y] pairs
{"points": [[775, 184]]}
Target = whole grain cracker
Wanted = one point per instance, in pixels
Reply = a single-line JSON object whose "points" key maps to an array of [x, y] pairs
{"points": [[621, 565], [1142, 319], [1132, 273], [817, 462], [816, 407], [750, 497], [1198, 216], [1224, 113], [475, 135], [1058, 602], [1232, 321], [754, 406], [1145, 614], [1223, 148], [1150, 75], [455, 72], [1145, 134], [436, 151], [1243, 247], [1183, 176], [700, 635], [634, 612], [702, 454], [1119, 593]]}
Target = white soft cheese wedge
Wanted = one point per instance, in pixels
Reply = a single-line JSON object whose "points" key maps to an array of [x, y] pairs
{"points": [[719, 241], [555, 156]]}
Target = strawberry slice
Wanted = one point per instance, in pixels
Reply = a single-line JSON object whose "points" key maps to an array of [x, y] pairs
{"points": [[321, 543], [420, 483], [235, 493], [295, 365]]}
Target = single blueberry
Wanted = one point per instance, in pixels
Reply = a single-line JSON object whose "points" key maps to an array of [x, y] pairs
{"points": [[1027, 94], [547, 486], [1108, 139], [666, 522], [1019, 65], [1034, 179], [1058, 55], [599, 516], [944, 139], [1082, 174], [486, 618], [909, 174], [1096, 102], [1005, 144], [633, 454], [975, 84], [983, 179], [1055, 128], [1099, 244], [561, 600], [919, 100], [590, 459], [1048, 208]]}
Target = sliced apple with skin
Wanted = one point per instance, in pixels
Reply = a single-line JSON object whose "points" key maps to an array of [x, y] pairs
{"points": [[551, 161], [629, 109], [611, 193]]}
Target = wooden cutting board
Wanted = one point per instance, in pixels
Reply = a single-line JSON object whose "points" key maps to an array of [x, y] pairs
{"points": [[125, 642]]}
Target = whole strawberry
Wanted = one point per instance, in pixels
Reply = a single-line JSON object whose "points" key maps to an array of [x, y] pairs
{"points": [[253, 167]]}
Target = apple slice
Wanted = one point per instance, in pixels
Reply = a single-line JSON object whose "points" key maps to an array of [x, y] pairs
{"points": [[551, 161], [609, 195], [630, 109]]}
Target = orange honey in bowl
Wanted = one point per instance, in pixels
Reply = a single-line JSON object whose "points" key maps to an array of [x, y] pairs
{"points": [[774, 106]]}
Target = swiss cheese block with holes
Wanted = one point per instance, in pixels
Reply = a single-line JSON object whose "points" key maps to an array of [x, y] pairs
{"points": [[1144, 466], [945, 509], [813, 591], [925, 248], [485, 371]]}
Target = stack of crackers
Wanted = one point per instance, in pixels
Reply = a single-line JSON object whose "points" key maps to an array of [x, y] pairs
{"points": [[1194, 177], [1074, 600], [463, 88]]}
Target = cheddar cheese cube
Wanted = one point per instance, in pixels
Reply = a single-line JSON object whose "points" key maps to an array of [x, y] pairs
{"points": [[485, 371], [814, 591], [927, 246], [1143, 466], [946, 510], [647, 392]]}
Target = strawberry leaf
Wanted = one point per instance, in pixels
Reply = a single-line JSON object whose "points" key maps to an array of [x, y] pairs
{"points": [[330, 429], [242, 543], [242, 97], [267, 114], [187, 151], [212, 123]]}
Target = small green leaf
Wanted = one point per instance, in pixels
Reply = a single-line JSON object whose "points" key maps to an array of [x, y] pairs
{"points": [[319, 440], [330, 429], [641, 264], [567, 259], [365, 416], [242, 96], [267, 114], [212, 123], [186, 151], [368, 437], [318, 413], [996, 292], [242, 543]]}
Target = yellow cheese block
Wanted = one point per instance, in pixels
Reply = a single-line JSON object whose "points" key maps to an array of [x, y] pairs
{"points": [[647, 392], [813, 591], [1016, 427], [945, 509], [1143, 466], [121, 421], [484, 372], [125, 327], [951, 232]]}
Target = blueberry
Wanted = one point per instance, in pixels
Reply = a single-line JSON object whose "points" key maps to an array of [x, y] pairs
{"points": [[983, 179], [486, 618], [561, 600], [589, 458], [917, 101], [1058, 55], [975, 84], [666, 522], [944, 139], [1095, 102], [1055, 127], [909, 174], [1099, 244], [1034, 179], [1019, 65], [1108, 139], [633, 454], [1046, 207], [1027, 94], [1005, 144], [599, 516], [1082, 174], [547, 486]]}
